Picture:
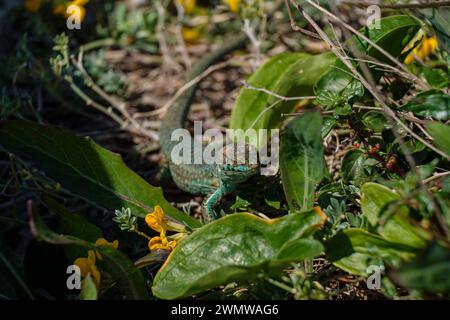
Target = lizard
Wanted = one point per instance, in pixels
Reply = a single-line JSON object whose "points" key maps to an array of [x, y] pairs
{"points": [[214, 181]]}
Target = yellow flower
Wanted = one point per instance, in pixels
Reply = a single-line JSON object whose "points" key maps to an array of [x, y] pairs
{"points": [[190, 35], [318, 210], [87, 266], [33, 5], [427, 47], [188, 5], [62, 8], [156, 220], [101, 242], [233, 4], [161, 243]]}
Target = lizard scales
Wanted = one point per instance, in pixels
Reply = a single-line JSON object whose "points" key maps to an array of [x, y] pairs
{"points": [[211, 180]]}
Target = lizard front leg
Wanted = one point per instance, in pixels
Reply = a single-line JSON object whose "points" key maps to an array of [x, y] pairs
{"points": [[210, 201]]}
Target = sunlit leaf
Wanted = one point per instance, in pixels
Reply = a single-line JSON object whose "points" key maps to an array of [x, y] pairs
{"points": [[236, 248], [302, 162]]}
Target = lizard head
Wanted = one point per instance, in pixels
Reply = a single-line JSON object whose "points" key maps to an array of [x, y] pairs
{"points": [[240, 163]]}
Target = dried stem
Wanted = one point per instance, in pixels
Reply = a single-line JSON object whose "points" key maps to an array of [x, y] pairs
{"points": [[422, 5]]}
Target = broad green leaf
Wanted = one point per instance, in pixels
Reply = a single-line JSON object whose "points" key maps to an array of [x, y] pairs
{"points": [[85, 168], [250, 102], [299, 80], [338, 86], [352, 168], [430, 104], [302, 162], [441, 135], [394, 34], [378, 202], [329, 123], [374, 197], [436, 78], [128, 278], [291, 80], [428, 271], [88, 289], [375, 121], [353, 250], [236, 248]]}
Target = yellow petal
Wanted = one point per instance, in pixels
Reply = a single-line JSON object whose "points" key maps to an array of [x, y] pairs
{"points": [[433, 43], [409, 59], [152, 222], [161, 243], [188, 5], [154, 243], [233, 5], [319, 211], [156, 220], [102, 242], [80, 2], [59, 9], [84, 264], [190, 35], [91, 256]]}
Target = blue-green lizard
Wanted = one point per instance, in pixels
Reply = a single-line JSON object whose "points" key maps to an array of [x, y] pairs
{"points": [[212, 180]]}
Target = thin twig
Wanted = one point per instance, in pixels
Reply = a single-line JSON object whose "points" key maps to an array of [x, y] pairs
{"points": [[418, 81], [273, 94], [390, 116], [179, 34], [422, 5], [249, 30], [206, 73], [386, 110], [295, 27], [436, 176], [167, 58], [115, 103]]}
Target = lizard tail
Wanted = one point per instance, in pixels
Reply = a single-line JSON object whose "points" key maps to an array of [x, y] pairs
{"points": [[176, 115]]}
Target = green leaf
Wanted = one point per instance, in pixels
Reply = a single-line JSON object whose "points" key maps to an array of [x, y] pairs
{"points": [[353, 250], [74, 225], [128, 278], [394, 34], [374, 197], [329, 123], [430, 104], [338, 86], [86, 169], [251, 102], [302, 162], [428, 271], [377, 202], [295, 79], [88, 289], [440, 20], [441, 135], [375, 121], [437, 78], [236, 248], [352, 168]]}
